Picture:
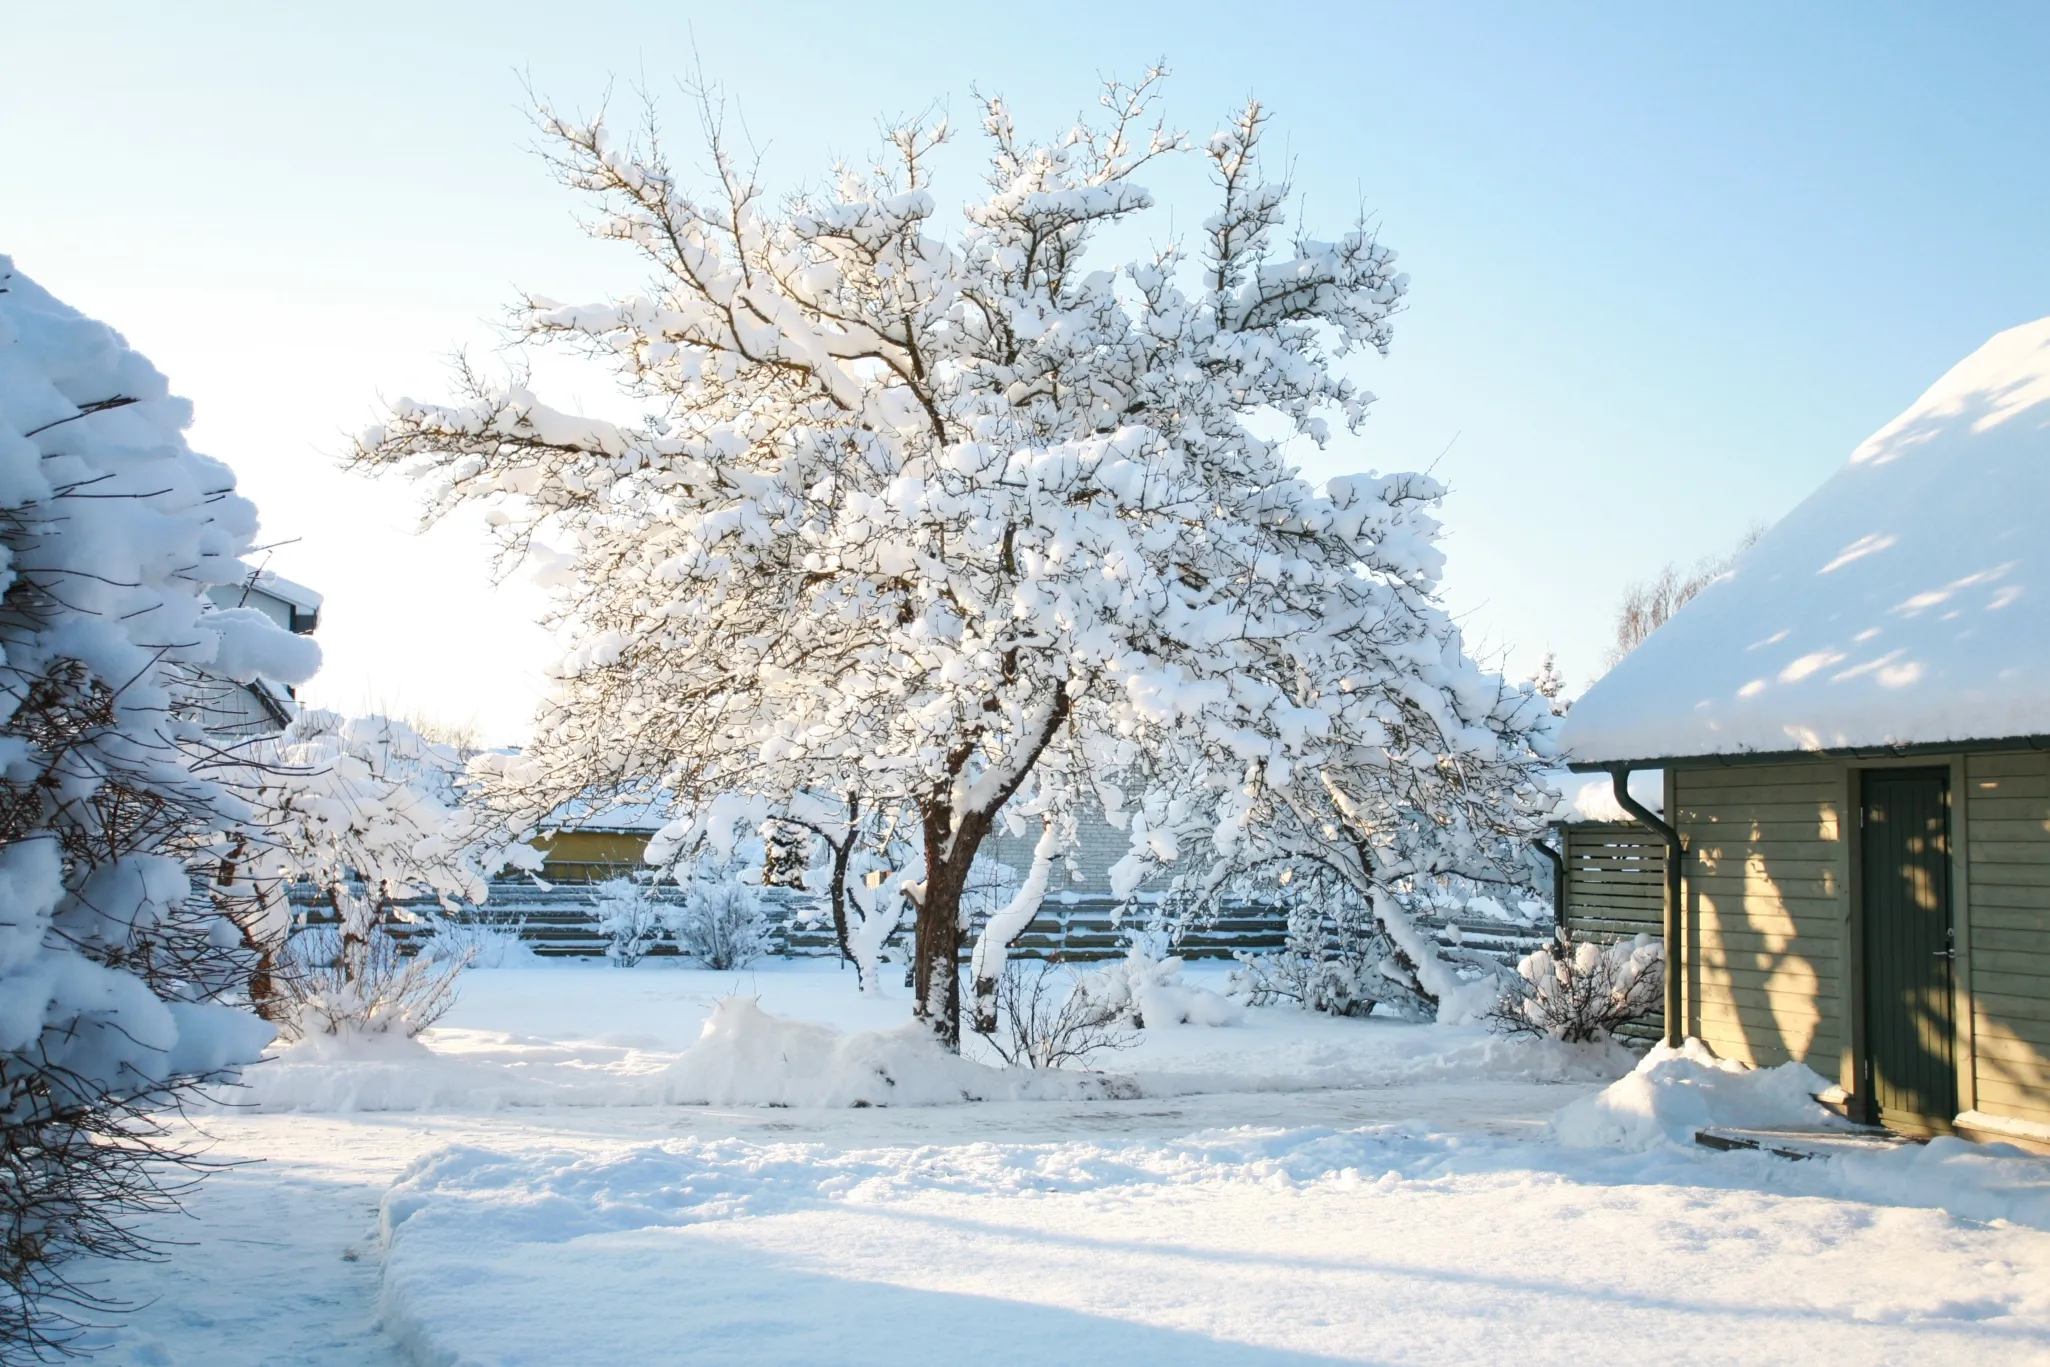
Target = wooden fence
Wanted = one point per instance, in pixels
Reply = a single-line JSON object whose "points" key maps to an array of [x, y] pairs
{"points": [[557, 921], [1616, 890]]}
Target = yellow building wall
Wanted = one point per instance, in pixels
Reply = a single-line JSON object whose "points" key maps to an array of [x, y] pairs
{"points": [[572, 853], [1766, 887], [2007, 835]]}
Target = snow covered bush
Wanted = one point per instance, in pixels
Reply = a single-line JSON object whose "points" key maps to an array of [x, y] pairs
{"points": [[373, 815], [481, 943], [721, 924], [1584, 991], [354, 977], [1305, 977], [125, 915], [858, 861], [629, 918], [1338, 957], [1147, 993], [1046, 1017], [980, 528]]}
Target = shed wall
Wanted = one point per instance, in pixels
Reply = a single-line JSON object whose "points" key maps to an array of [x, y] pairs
{"points": [[2008, 897], [1766, 897]]}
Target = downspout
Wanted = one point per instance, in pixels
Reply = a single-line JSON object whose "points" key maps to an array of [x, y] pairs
{"points": [[1619, 781], [1558, 863]]}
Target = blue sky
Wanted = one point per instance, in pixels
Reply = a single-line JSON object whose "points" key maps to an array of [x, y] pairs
{"points": [[1669, 263]]}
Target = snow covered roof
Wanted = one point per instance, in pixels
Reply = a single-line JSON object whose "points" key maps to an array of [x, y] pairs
{"points": [[298, 595], [1905, 602], [611, 814], [1590, 797]]}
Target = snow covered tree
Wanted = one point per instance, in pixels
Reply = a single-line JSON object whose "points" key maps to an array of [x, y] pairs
{"points": [[371, 814], [122, 959], [1430, 774], [1648, 603], [1551, 684], [857, 860], [969, 526]]}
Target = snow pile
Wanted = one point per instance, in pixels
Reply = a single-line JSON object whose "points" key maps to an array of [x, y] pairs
{"points": [[1904, 602], [808, 1064], [1355, 1054], [748, 1057], [1972, 1181], [1676, 1092], [744, 1057], [458, 1071]]}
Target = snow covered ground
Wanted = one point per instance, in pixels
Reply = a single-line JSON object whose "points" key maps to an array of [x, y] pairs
{"points": [[1295, 1189]]}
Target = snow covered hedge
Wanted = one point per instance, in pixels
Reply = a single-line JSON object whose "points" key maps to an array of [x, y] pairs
{"points": [[126, 916]]}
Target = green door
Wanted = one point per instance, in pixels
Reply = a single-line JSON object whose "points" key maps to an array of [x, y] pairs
{"points": [[1910, 1037]]}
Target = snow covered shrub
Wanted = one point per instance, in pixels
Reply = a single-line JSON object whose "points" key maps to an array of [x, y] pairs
{"points": [[1338, 958], [481, 943], [961, 522], [1046, 1019], [855, 858], [1584, 991], [355, 977], [374, 816], [629, 918], [126, 913], [1146, 993], [721, 924]]}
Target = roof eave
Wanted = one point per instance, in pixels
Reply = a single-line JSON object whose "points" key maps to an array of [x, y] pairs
{"points": [[1934, 747]]}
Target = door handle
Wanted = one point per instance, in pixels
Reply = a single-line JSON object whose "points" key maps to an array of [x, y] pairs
{"points": [[1944, 954]]}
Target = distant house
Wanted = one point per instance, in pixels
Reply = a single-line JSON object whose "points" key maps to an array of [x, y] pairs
{"points": [[259, 708], [1854, 728], [589, 842]]}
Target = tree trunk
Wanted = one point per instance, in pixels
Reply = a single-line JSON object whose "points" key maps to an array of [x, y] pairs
{"points": [[841, 852], [1005, 925], [949, 851], [936, 966], [263, 989]]}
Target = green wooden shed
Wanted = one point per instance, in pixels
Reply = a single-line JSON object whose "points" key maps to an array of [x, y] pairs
{"points": [[1854, 730]]}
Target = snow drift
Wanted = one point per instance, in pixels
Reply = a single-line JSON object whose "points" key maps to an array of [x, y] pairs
{"points": [[748, 1057], [1676, 1092], [745, 1055]]}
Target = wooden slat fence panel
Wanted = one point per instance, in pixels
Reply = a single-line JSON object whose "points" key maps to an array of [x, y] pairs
{"points": [[557, 922], [1616, 890]]}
